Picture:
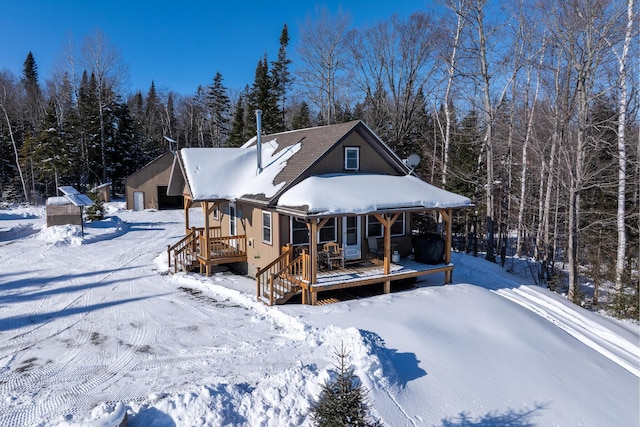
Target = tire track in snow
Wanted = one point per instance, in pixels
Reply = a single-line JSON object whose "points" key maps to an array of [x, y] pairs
{"points": [[592, 334], [79, 395]]}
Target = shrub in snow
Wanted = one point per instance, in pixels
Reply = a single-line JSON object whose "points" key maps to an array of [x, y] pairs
{"points": [[95, 212], [343, 399]]}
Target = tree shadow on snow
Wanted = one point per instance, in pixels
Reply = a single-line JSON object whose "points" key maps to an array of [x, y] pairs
{"points": [[15, 322], [151, 417], [510, 418], [31, 282], [401, 367]]}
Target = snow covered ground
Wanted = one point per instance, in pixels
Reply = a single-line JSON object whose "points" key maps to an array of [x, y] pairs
{"points": [[92, 328]]}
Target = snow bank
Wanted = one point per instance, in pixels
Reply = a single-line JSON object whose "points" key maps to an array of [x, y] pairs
{"points": [[61, 235]]}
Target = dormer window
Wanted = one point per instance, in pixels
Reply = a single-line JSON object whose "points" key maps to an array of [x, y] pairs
{"points": [[351, 158]]}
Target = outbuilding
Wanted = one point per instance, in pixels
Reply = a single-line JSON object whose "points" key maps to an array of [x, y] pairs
{"points": [[60, 211], [147, 188]]}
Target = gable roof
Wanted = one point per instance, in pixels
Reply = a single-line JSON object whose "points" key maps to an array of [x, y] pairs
{"points": [[317, 142], [231, 174], [152, 162]]}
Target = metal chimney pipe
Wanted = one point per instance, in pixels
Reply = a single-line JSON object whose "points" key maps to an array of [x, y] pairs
{"points": [[259, 139]]}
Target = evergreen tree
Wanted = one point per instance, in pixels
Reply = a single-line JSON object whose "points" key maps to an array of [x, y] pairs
{"points": [[463, 158], [33, 106], [302, 118], [281, 76], [263, 97], [89, 114], [153, 143], [125, 155], [219, 106], [342, 401], [94, 212], [238, 135]]}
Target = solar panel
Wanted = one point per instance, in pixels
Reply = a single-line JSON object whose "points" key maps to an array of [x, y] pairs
{"points": [[75, 197]]}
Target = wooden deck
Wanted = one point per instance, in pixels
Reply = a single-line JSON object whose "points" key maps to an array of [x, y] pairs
{"points": [[368, 273]]}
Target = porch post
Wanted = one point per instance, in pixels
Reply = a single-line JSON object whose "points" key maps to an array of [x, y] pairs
{"points": [[387, 221], [448, 231], [187, 204], [313, 258], [205, 208]]}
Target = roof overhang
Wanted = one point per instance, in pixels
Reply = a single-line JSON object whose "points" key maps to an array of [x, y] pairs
{"points": [[363, 194]]}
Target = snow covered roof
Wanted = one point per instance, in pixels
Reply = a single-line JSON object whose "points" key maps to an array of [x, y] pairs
{"points": [[288, 157], [231, 173], [367, 193], [58, 201]]}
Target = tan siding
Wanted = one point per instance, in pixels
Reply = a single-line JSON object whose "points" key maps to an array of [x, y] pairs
{"points": [[261, 253], [370, 160], [148, 179]]}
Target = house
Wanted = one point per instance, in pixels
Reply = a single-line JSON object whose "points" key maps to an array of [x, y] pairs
{"points": [[307, 211], [147, 188]]}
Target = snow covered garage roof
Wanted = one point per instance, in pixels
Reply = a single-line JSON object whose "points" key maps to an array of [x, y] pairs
{"points": [[367, 193]]}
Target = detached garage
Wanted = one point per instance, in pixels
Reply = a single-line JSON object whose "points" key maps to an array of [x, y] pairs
{"points": [[147, 188]]}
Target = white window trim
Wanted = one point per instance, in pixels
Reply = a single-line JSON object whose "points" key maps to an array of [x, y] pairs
{"points": [[401, 218], [270, 240], [346, 157], [335, 233]]}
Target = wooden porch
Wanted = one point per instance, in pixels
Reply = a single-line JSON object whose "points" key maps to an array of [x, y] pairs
{"points": [[205, 248], [276, 284], [292, 273]]}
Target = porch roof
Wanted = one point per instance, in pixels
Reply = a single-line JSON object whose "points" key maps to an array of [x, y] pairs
{"points": [[339, 194]]}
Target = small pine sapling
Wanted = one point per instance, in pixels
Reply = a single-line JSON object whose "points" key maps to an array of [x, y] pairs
{"points": [[343, 400], [95, 212]]}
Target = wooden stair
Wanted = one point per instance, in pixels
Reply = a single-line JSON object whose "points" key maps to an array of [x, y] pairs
{"points": [[281, 279]]}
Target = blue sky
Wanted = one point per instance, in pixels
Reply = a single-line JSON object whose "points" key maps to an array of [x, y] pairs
{"points": [[177, 44]]}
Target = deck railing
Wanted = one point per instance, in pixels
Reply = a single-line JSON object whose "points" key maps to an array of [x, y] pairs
{"points": [[282, 277], [181, 253], [194, 246]]}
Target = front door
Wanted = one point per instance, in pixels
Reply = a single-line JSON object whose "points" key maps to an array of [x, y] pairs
{"points": [[138, 201], [351, 236]]}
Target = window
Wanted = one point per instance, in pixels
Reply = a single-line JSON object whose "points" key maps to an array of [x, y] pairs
{"points": [[351, 158], [299, 233], [328, 233], [216, 213], [374, 227], [266, 227]]}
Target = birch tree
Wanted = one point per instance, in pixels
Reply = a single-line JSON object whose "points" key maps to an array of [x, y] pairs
{"points": [[622, 155], [323, 60], [581, 29], [451, 60], [104, 61]]}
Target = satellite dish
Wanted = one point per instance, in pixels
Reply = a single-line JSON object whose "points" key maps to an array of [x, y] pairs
{"points": [[412, 161]]}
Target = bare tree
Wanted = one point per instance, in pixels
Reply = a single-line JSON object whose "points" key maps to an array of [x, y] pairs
{"points": [[622, 155], [394, 59], [451, 61], [581, 29], [13, 141], [104, 60], [323, 61]]}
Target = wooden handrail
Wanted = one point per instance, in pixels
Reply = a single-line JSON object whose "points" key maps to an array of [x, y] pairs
{"points": [[283, 274]]}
